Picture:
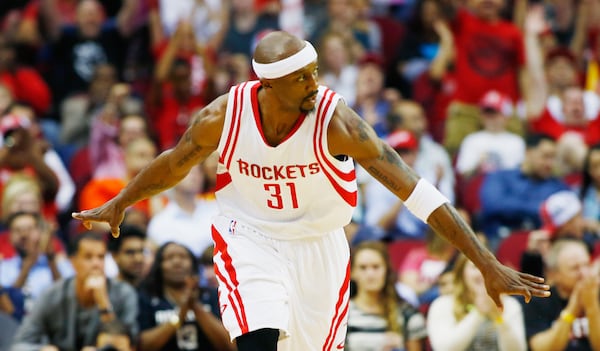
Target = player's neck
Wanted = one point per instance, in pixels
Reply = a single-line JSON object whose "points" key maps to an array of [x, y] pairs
{"points": [[276, 120], [273, 111]]}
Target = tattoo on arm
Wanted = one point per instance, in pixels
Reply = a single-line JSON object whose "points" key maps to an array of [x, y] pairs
{"points": [[362, 127], [390, 156], [384, 179], [453, 233], [189, 156], [189, 139], [156, 187]]}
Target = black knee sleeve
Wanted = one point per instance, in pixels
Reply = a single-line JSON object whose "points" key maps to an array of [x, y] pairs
{"points": [[258, 340]]}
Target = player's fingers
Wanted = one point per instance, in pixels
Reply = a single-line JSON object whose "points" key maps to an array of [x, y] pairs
{"points": [[539, 292], [87, 225], [498, 301], [531, 278], [524, 291], [115, 231], [536, 287], [527, 296]]}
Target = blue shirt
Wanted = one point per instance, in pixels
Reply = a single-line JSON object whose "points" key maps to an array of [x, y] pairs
{"points": [[511, 200], [40, 275]]}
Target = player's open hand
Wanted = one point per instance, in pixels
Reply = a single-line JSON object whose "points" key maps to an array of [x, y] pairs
{"points": [[500, 279], [108, 213]]}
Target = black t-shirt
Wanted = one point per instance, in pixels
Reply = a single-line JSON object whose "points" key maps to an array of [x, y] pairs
{"points": [[75, 58], [155, 311], [540, 313]]}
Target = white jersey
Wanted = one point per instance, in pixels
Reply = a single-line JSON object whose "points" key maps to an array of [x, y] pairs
{"points": [[293, 190]]}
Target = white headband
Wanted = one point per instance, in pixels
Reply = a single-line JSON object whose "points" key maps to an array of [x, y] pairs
{"points": [[286, 66]]}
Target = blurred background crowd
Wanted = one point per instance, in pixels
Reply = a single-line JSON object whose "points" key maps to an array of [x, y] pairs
{"points": [[495, 102]]}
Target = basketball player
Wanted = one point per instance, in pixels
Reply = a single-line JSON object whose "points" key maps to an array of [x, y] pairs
{"points": [[286, 187]]}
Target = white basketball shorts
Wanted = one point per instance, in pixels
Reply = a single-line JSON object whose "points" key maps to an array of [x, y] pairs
{"points": [[298, 286]]}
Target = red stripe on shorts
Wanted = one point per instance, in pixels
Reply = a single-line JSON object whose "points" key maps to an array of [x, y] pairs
{"points": [[340, 312], [221, 247]]}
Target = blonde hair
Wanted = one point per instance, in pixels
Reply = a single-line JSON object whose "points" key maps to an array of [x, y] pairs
{"points": [[462, 296], [16, 185]]}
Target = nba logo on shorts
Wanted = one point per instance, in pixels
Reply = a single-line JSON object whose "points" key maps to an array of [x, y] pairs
{"points": [[232, 224]]}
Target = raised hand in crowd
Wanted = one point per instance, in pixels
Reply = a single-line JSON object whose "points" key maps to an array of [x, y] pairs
{"points": [[34, 248], [20, 150], [97, 284]]}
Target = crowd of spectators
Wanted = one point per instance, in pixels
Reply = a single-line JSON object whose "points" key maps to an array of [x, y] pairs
{"points": [[495, 102]]}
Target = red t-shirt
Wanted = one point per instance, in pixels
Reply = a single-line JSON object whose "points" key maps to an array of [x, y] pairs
{"points": [[27, 85], [488, 56], [66, 8], [547, 124], [171, 118]]}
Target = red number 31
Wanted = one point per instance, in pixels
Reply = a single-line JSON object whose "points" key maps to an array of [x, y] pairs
{"points": [[276, 200]]}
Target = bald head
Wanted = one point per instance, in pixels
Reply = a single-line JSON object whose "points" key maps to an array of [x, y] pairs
{"points": [[276, 46]]}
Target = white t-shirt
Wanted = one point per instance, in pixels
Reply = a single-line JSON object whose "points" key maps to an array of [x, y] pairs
{"points": [[190, 229], [495, 150]]}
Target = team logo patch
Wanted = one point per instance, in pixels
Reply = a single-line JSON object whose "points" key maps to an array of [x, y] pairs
{"points": [[232, 225]]}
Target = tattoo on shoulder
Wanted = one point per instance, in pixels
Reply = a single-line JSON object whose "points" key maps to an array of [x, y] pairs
{"points": [[363, 130]]}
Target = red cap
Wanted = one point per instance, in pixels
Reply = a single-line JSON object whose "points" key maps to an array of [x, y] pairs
{"points": [[496, 101], [403, 139], [371, 58]]}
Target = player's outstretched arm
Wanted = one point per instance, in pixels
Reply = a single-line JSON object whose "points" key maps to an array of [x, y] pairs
{"points": [[170, 167], [349, 135]]}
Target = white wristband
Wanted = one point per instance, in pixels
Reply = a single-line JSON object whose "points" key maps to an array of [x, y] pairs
{"points": [[424, 199]]}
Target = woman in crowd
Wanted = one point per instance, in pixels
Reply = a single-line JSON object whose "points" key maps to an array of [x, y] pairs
{"points": [[469, 320], [378, 319], [175, 314]]}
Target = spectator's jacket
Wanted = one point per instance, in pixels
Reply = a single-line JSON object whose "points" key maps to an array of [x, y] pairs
{"points": [[56, 318]]}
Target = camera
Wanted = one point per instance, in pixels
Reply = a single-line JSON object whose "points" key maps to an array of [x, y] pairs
{"points": [[10, 139], [10, 125]]}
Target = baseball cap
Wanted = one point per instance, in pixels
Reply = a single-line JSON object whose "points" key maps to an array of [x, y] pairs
{"points": [[496, 101], [371, 58], [402, 139], [558, 209]]}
